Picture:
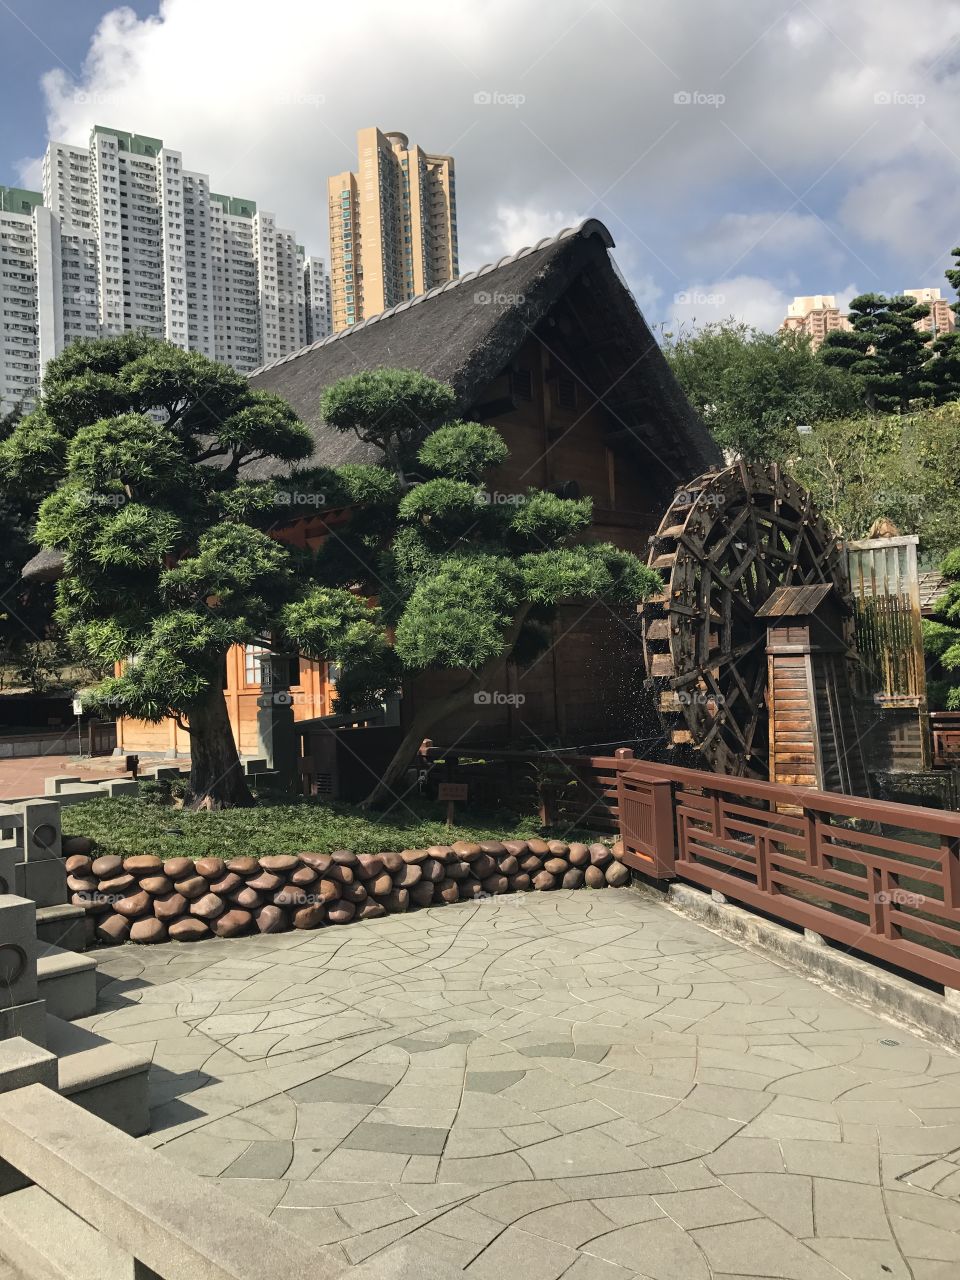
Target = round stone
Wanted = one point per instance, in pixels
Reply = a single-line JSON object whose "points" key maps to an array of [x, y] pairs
{"points": [[170, 906], [422, 894], [292, 895], [303, 876], [531, 864], [471, 888], [617, 874], [392, 862], [467, 850], [266, 882], [228, 883], [78, 864], [369, 865], [433, 869], [341, 913], [355, 892], [244, 866], [319, 861], [82, 884], [192, 887], [117, 885], [414, 855], [399, 900], [493, 846], [208, 907], [189, 929], [247, 898], [107, 866], [344, 857], [572, 879], [440, 851], [76, 844], [341, 872], [508, 864], [326, 891], [600, 855], [210, 868], [156, 884], [271, 919], [517, 847], [483, 866], [594, 878], [448, 891], [310, 917], [143, 864], [457, 869], [178, 868], [578, 855], [496, 884], [543, 881], [134, 905], [382, 885], [557, 848], [113, 928], [520, 883], [281, 863], [231, 923], [148, 931], [556, 866], [409, 876], [539, 847], [370, 910]]}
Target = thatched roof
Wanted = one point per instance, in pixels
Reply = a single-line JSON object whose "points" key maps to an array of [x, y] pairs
{"points": [[566, 290], [467, 331]]}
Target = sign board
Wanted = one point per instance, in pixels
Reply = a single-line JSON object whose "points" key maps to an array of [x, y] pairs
{"points": [[452, 791], [77, 707]]}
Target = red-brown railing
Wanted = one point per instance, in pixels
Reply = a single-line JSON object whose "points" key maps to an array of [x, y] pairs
{"points": [[945, 733], [877, 877]]}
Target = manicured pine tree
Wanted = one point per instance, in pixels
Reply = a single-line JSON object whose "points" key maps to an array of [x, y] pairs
{"points": [[884, 351], [945, 365]]}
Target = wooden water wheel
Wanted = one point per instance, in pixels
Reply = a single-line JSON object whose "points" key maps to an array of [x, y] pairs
{"points": [[727, 541]]}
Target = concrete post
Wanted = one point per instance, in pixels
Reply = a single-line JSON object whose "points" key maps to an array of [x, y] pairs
{"points": [[277, 739], [41, 875], [23, 1063], [21, 1013]]}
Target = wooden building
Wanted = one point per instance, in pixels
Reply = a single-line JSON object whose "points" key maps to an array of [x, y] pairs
{"points": [[548, 346]]}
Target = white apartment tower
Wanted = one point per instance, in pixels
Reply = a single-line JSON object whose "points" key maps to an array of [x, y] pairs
{"points": [[124, 238], [316, 289]]}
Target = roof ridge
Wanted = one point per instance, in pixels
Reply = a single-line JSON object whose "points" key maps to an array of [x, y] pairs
{"points": [[585, 227]]}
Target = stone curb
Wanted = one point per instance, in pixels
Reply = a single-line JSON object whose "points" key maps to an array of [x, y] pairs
{"points": [[902, 1001]]}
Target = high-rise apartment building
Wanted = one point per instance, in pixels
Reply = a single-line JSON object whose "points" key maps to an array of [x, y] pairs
{"points": [[941, 319], [817, 314], [393, 226], [316, 292], [123, 238]]}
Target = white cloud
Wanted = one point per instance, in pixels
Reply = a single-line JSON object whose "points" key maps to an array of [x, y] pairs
{"points": [[751, 299], [582, 117], [787, 235]]}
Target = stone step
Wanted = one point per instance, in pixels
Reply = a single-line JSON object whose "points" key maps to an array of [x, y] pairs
{"points": [[43, 1240], [104, 1078], [67, 981], [63, 926]]}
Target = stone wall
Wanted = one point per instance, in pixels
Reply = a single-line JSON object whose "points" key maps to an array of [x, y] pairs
{"points": [[149, 899]]}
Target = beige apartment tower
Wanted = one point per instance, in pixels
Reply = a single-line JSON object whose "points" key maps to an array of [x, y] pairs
{"points": [[393, 226]]}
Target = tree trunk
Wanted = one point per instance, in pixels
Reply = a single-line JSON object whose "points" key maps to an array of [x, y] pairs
{"points": [[216, 778], [431, 712], [426, 716]]}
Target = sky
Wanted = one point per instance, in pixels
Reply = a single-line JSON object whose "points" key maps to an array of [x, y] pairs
{"points": [[739, 151]]}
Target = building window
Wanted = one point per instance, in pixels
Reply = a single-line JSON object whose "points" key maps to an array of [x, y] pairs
{"points": [[521, 384], [251, 662], [566, 391]]}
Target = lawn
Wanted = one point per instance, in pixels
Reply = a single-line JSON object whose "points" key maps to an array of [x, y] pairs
{"points": [[128, 826]]}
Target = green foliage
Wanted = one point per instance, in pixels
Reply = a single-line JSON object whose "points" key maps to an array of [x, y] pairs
{"points": [[884, 351], [463, 450], [941, 641], [389, 408], [754, 389], [130, 826]]}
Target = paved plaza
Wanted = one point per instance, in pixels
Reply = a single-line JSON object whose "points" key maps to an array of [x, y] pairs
{"points": [[570, 1084]]}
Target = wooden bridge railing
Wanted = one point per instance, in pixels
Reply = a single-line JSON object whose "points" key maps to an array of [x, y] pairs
{"points": [[877, 877]]}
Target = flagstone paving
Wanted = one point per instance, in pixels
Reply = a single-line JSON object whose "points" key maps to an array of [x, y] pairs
{"points": [[570, 1084]]}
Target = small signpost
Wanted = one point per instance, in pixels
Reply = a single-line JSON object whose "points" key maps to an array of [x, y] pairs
{"points": [[452, 792], [78, 712]]}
